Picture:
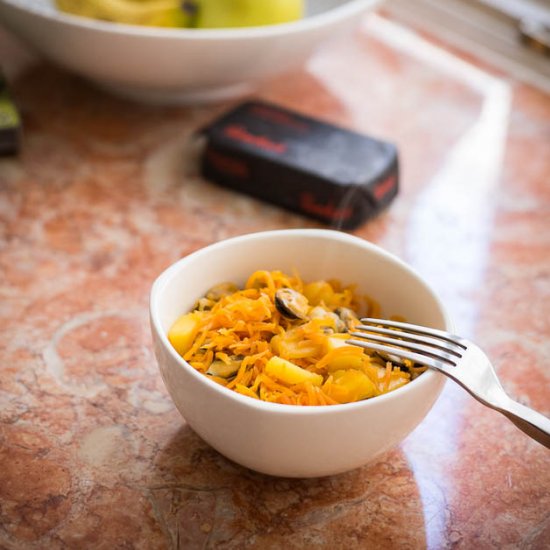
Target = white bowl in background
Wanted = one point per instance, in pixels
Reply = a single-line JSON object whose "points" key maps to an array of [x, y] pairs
{"points": [[177, 65], [285, 440]]}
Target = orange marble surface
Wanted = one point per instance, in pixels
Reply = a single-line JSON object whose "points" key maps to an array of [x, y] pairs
{"points": [[103, 196]]}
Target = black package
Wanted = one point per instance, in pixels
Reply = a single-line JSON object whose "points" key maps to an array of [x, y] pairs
{"points": [[328, 173]]}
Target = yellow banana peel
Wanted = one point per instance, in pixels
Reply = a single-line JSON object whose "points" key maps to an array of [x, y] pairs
{"points": [[156, 13]]}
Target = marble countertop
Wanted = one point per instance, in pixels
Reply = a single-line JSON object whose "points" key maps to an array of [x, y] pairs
{"points": [[103, 196]]}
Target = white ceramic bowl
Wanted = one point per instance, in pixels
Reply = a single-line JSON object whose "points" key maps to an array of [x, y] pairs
{"points": [[287, 440], [177, 65]]}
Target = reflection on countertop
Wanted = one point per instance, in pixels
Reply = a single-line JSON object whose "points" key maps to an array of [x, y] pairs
{"points": [[104, 195]]}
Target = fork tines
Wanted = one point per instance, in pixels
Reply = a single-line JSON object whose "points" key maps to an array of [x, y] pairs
{"points": [[455, 357], [422, 345]]}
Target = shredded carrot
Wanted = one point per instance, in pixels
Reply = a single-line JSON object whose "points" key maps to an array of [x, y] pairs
{"points": [[387, 376], [242, 330]]}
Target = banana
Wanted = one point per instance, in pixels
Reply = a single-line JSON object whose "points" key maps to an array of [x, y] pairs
{"points": [[247, 13], [156, 13]]}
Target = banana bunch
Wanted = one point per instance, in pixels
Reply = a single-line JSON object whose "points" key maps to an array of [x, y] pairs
{"points": [[154, 13], [187, 13]]}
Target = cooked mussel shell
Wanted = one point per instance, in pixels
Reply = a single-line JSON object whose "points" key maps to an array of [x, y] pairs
{"points": [[223, 370], [347, 316], [291, 304], [219, 291], [334, 323]]}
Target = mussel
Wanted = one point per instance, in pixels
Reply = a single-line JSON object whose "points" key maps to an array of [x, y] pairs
{"points": [[348, 317], [223, 369], [213, 295], [335, 324], [291, 304], [219, 291]]}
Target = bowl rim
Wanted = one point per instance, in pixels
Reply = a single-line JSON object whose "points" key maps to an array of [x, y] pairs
{"points": [[338, 13], [280, 409]]}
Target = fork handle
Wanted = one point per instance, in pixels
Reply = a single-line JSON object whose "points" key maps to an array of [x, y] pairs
{"points": [[534, 424]]}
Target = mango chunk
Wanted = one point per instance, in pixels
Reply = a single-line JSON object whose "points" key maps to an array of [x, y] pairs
{"points": [[289, 373], [350, 385], [344, 361], [341, 355], [183, 332], [317, 292]]}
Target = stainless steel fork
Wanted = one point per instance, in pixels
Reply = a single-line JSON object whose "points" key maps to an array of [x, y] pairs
{"points": [[455, 357]]}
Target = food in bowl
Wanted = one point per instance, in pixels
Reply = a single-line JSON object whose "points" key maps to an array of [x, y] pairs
{"points": [[281, 340], [284, 440], [187, 13]]}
